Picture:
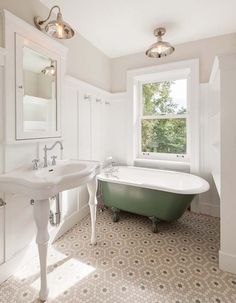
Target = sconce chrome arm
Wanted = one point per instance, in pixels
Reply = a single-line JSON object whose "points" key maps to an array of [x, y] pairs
{"points": [[40, 22]]}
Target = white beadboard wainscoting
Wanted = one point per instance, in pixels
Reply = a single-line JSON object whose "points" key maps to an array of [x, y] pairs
{"points": [[83, 136], [207, 203], [94, 127]]}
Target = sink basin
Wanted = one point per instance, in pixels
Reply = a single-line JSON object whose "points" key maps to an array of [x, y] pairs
{"points": [[46, 182], [61, 170]]}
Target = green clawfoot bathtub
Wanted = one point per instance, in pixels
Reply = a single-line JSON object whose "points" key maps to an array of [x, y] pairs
{"points": [[157, 194]]}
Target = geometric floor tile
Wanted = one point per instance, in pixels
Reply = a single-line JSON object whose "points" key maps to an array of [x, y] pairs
{"points": [[129, 264]]}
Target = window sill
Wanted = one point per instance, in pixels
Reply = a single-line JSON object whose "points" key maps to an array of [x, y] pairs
{"points": [[163, 164]]}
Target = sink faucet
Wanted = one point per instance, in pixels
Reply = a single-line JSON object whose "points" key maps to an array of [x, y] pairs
{"points": [[45, 159]]}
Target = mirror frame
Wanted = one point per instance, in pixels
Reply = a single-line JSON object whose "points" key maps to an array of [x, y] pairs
{"points": [[15, 26]]}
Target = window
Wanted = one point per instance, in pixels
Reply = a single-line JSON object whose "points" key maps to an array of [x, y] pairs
{"points": [[163, 120]]}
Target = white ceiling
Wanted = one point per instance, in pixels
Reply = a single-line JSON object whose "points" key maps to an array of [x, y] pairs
{"points": [[121, 27]]}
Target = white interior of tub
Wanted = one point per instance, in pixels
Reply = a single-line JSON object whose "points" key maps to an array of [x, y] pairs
{"points": [[169, 181]]}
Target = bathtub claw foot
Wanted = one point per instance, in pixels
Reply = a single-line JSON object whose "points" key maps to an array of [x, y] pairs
{"points": [[115, 214], [155, 222]]}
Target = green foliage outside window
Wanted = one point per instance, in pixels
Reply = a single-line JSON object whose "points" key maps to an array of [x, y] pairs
{"points": [[162, 135]]}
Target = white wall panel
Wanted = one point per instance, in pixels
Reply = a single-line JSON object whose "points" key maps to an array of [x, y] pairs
{"points": [[70, 123], [97, 132], [19, 154], [214, 126], [2, 233], [84, 120], [227, 67], [2, 209], [208, 202], [115, 128], [91, 126], [20, 227]]}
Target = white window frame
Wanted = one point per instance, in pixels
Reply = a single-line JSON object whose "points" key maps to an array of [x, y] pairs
{"points": [[155, 73], [162, 156]]}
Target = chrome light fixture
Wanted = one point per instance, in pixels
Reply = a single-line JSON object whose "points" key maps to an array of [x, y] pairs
{"points": [[55, 28], [49, 70], [160, 48]]}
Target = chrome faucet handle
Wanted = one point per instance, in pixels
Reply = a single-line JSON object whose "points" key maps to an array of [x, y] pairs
{"points": [[54, 160], [35, 164]]}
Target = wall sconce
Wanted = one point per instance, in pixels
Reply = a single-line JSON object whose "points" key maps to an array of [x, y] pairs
{"points": [[55, 28], [49, 70]]}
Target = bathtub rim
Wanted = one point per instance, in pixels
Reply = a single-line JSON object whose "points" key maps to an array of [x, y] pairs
{"points": [[191, 191]]}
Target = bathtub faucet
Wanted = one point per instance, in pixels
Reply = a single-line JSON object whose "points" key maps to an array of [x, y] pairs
{"points": [[112, 168], [115, 166]]}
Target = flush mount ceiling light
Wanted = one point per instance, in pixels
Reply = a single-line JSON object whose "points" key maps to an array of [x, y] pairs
{"points": [[160, 48], [55, 28], [49, 70]]}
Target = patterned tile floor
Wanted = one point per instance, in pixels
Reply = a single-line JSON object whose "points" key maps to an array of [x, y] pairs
{"points": [[130, 264]]}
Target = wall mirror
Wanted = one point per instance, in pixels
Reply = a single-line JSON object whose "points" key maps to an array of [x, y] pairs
{"points": [[37, 91]]}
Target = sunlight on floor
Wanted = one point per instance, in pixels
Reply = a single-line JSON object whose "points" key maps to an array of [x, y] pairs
{"points": [[65, 273], [65, 276], [30, 263]]}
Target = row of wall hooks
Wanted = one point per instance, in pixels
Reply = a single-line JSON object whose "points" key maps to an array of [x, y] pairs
{"points": [[88, 97]]}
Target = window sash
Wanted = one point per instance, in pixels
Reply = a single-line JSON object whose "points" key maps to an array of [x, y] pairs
{"points": [[165, 116], [169, 79], [164, 156]]}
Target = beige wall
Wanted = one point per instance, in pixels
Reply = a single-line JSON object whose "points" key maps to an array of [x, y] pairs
{"points": [[89, 64], [85, 61], [205, 50]]}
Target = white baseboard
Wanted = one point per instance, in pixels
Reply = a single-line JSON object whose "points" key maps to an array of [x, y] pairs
{"points": [[206, 208], [68, 223], [209, 209], [227, 262]]}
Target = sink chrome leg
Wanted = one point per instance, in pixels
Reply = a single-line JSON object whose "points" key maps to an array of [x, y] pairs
{"points": [[92, 188], [41, 215]]}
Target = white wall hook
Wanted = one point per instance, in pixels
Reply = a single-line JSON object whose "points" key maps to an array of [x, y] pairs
{"points": [[87, 97]]}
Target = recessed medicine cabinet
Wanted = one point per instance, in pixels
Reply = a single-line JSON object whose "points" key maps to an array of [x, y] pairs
{"points": [[37, 92], [35, 71]]}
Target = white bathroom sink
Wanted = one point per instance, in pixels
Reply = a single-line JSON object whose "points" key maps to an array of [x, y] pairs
{"points": [[61, 170], [46, 182]]}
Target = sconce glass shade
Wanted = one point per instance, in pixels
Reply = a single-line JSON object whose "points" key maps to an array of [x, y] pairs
{"points": [[49, 70], [59, 29], [160, 48], [55, 28]]}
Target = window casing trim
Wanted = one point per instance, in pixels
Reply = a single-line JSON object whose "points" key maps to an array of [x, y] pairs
{"points": [[134, 77]]}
